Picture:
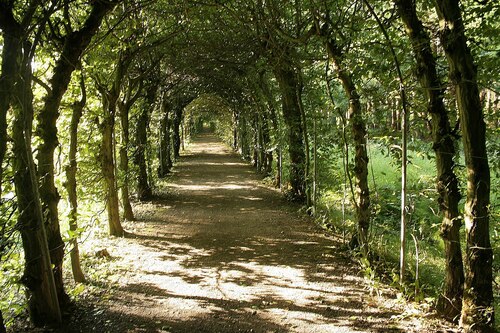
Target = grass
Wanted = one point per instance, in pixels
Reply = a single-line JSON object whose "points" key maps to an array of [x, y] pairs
{"points": [[423, 218]]}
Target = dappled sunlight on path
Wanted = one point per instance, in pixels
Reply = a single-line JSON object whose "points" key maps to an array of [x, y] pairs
{"points": [[220, 252]]}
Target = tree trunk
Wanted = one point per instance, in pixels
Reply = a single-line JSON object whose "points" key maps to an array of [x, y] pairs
{"points": [[124, 107], [307, 171], [165, 159], [74, 45], [108, 163], [128, 213], [287, 80], [7, 77], [177, 131], [71, 185], [236, 116], [266, 145], [38, 278], [450, 302], [256, 160], [274, 121], [2, 326], [477, 304], [144, 191], [355, 115]]}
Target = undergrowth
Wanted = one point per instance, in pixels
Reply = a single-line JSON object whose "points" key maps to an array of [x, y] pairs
{"points": [[425, 276]]}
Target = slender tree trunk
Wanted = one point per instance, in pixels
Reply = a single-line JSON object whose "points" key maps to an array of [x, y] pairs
{"points": [[124, 108], [274, 121], [75, 43], [108, 163], [128, 213], [163, 168], [107, 152], [165, 159], [37, 277], [144, 191], [177, 131], [236, 125], [287, 80], [71, 184], [7, 77], [355, 115], [169, 141], [450, 302], [307, 171], [256, 160], [2, 326], [266, 144], [477, 305]]}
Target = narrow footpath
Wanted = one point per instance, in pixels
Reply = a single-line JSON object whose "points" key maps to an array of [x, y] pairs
{"points": [[219, 251]]}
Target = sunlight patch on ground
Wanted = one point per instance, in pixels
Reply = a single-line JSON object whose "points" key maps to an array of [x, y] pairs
{"points": [[251, 198], [193, 291], [211, 187], [223, 163]]}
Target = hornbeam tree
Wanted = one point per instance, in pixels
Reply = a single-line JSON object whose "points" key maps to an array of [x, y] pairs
{"points": [[477, 304], [450, 301], [74, 44], [17, 78]]}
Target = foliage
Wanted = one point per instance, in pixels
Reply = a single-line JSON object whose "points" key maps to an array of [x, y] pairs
{"points": [[216, 60]]}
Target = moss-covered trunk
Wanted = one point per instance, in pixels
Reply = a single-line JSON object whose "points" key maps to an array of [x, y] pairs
{"points": [[477, 304], [450, 301]]}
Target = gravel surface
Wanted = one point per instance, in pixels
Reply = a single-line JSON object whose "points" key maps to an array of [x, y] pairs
{"points": [[218, 251]]}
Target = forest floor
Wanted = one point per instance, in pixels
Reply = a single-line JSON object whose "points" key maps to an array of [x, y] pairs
{"points": [[219, 251]]}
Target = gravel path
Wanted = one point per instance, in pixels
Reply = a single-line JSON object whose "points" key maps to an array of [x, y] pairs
{"points": [[221, 252]]}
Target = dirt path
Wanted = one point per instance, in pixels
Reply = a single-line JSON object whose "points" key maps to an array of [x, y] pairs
{"points": [[220, 252]]}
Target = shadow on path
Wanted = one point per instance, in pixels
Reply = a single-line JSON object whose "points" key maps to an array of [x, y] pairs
{"points": [[220, 252]]}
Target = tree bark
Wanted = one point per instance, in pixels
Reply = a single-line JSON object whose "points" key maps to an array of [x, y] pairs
{"points": [[355, 115], [256, 156], [2, 325], [38, 277], [450, 302], [177, 131], [165, 159], [124, 107], [307, 166], [144, 191], [271, 114], [287, 80], [477, 304], [236, 120], [7, 76], [128, 213], [267, 154], [74, 45], [71, 184], [108, 161]]}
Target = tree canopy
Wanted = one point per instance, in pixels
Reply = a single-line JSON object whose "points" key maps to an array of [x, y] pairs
{"points": [[98, 98]]}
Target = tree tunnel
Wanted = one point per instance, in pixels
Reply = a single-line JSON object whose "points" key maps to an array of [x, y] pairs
{"points": [[99, 98]]}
